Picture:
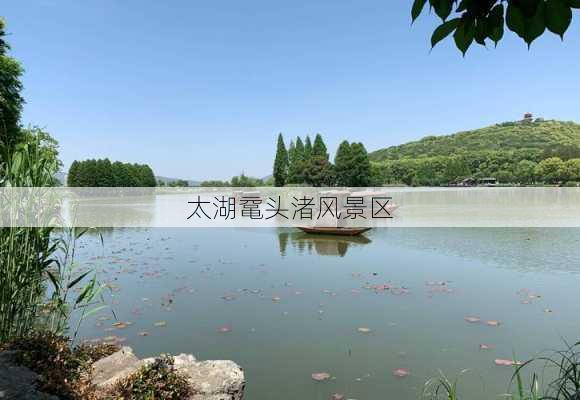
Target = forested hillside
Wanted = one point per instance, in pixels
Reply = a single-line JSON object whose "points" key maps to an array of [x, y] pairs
{"points": [[513, 152], [552, 137]]}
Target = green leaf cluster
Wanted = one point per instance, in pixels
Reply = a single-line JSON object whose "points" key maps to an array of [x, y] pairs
{"points": [[483, 20]]}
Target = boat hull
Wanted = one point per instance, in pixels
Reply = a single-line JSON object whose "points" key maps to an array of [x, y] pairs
{"points": [[335, 231]]}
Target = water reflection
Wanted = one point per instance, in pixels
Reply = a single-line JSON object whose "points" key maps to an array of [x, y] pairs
{"points": [[323, 245], [525, 250]]}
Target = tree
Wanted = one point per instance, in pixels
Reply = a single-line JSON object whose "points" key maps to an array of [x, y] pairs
{"points": [[524, 171], [456, 169], [343, 164], [11, 100], [319, 172], [573, 169], [281, 163], [551, 170], [291, 162], [319, 148], [361, 166], [307, 148], [103, 173], [480, 20], [72, 178], [296, 162]]}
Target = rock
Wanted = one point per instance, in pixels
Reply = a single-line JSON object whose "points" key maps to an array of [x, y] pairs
{"points": [[18, 382], [213, 380], [117, 366], [209, 380]]}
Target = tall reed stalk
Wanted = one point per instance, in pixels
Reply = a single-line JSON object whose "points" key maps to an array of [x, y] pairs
{"points": [[25, 253]]}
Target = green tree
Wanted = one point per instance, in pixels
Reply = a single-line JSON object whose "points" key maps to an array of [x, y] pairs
{"points": [[296, 164], [573, 169], [11, 100], [281, 163], [481, 20], [456, 169], [343, 164], [361, 166], [551, 170], [319, 148], [319, 172], [103, 173], [307, 149], [524, 171], [73, 171]]}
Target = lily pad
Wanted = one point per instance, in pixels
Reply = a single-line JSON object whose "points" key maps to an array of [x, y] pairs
{"points": [[507, 363], [401, 372], [320, 376]]}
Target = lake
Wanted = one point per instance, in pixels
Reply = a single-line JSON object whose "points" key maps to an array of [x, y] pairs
{"points": [[284, 304]]}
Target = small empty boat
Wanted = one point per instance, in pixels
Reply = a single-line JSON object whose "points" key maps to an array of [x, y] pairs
{"points": [[334, 231]]}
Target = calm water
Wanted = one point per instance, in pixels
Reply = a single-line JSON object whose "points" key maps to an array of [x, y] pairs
{"points": [[294, 302]]}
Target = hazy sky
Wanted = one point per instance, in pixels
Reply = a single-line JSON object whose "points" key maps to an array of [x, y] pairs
{"points": [[200, 89]]}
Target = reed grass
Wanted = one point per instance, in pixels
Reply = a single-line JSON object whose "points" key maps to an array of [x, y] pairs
{"points": [[25, 253]]}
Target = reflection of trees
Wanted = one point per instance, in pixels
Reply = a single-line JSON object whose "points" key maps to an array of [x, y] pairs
{"points": [[324, 245], [283, 242]]}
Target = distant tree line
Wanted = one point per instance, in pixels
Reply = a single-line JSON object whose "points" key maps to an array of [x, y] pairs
{"points": [[237, 181], [517, 167], [307, 163], [103, 173], [173, 183]]}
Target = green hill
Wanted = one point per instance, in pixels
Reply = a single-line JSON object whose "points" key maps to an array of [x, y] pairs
{"points": [[546, 137], [512, 152]]}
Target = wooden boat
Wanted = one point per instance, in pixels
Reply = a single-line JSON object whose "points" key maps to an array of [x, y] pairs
{"points": [[334, 231]]}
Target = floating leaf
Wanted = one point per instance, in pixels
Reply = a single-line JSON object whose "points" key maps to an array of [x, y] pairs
{"points": [[507, 363], [320, 376], [401, 372]]}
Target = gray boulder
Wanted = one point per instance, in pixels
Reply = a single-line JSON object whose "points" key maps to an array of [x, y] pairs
{"points": [[209, 380]]}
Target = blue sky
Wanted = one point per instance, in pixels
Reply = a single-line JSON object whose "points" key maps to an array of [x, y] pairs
{"points": [[200, 89]]}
